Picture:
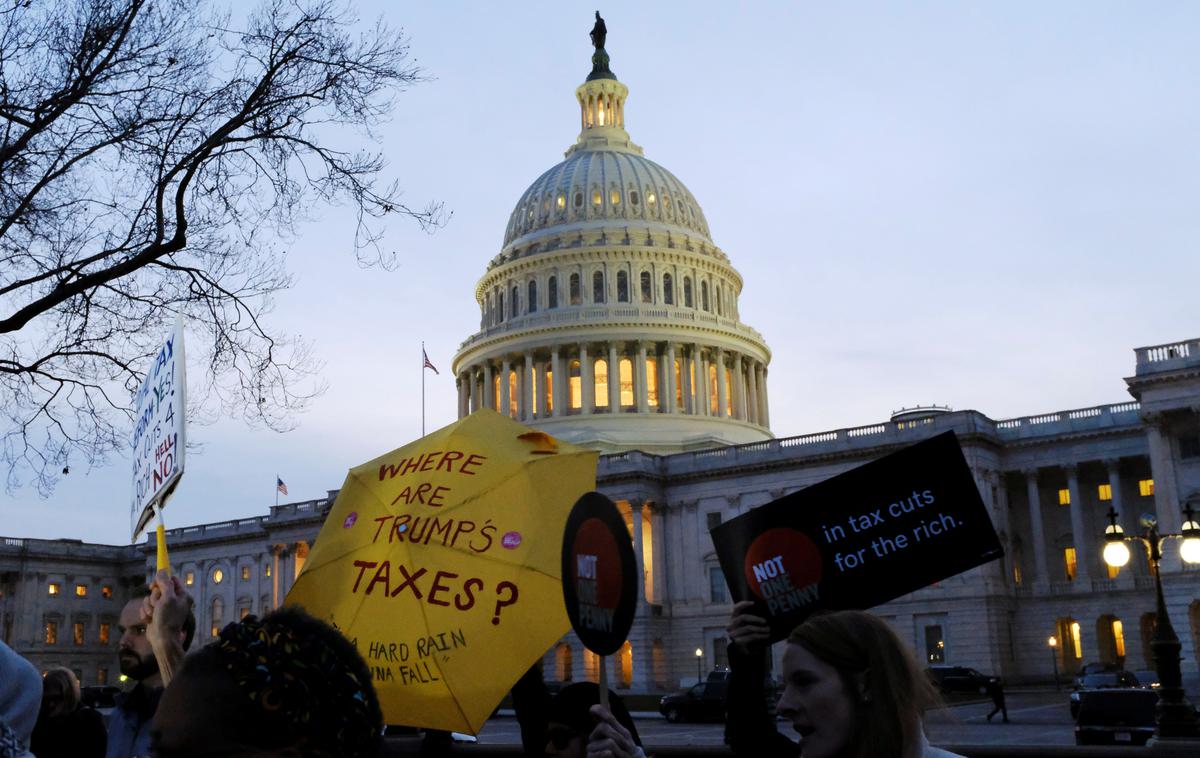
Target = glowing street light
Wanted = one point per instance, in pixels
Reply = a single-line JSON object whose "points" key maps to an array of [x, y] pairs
{"points": [[699, 665], [1174, 716], [1053, 643]]}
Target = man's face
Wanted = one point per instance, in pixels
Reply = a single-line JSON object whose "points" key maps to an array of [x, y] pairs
{"points": [[134, 651]]}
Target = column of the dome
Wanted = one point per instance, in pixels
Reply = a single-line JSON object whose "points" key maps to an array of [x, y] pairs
{"points": [[669, 394], [752, 414], [686, 379], [542, 410], [556, 393], [662, 371], [739, 388], [458, 385], [702, 407], [488, 395], [527, 394], [587, 380], [640, 386], [505, 389], [614, 379], [762, 391], [722, 390]]}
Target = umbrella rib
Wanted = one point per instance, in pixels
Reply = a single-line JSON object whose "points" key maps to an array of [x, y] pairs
{"points": [[441, 669]]}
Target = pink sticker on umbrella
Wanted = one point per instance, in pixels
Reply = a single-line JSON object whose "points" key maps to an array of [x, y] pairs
{"points": [[511, 540], [349, 522]]}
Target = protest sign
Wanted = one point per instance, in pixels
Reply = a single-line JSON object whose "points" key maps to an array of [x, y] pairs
{"points": [[599, 574], [861, 538], [159, 430]]}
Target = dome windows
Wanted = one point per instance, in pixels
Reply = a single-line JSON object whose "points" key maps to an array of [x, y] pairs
{"points": [[533, 301], [633, 197], [614, 197], [622, 287], [647, 287], [668, 290], [552, 292], [597, 197], [575, 294], [598, 287], [687, 292], [578, 202], [704, 295], [560, 202], [651, 198]]}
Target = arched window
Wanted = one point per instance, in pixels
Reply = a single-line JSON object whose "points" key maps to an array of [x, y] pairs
{"points": [[514, 308], [578, 200], [704, 295], [552, 292], [668, 290], [218, 615], [532, 300], [633, 197], [597, 197], [647, 288], [652, 382], [574, 388], [565, 662], [626, 388], [600, 379], [687, 291], [514, 394], [598, 287], [576, 296], [499, 307], [719, 310], [495, 403], [622, 287]]}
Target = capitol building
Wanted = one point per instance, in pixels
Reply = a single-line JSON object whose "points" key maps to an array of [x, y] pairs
{"points": [[609, 318]]}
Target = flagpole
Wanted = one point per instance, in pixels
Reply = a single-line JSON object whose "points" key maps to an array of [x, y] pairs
{"points": [[277, 490], [422, 388]]}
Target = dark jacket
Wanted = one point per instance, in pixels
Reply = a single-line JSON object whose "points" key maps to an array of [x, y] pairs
{"points": [[78, 734], [129, 724], [749, 727]]}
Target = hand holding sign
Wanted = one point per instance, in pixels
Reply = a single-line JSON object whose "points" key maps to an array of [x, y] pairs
{"points": [[862, 538]]}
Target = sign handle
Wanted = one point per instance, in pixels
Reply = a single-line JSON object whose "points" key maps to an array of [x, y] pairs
{"points": [[163, 561], [603, 676]]}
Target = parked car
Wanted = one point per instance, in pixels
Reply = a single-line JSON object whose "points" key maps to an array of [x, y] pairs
{"points": [[950, 679], [700, 702], [1096, 668], [1148, 679], [99, 696], [1108, 680], [1115, 716]]}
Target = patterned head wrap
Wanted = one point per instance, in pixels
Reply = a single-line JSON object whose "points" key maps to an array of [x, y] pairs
{"points": [[303, 686]]}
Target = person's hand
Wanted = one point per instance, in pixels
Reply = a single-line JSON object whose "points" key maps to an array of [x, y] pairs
{"points": [[165, 609], [747, 631], [609, 738]]}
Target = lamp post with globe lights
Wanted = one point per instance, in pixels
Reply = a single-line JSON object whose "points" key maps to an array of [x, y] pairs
{"points": [[1175, 717], [699, 665], [1053, 643]]}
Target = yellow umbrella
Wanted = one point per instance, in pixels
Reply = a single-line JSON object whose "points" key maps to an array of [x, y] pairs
{"points": [[441, 561]]}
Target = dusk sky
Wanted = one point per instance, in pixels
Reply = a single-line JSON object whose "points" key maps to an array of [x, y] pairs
{"points": [[984, 205]]}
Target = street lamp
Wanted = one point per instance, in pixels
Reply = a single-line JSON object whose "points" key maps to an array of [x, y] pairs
{"points": [[1175, 717], [1053, 643], [699, 664]]}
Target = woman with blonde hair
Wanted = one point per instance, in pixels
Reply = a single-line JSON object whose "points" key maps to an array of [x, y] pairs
{"points": [[852, 689], [65, 727]]}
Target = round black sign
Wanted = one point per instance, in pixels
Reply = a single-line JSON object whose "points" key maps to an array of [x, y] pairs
{"points": [[599, 574]]}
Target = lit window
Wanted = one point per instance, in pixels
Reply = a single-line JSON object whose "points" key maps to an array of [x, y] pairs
{"points": [[105, 630], [597, 197], [514, 394], [245, 573], [712, 389], [106, 592], [1076, 642], [1069, 563], [935, 644], [101, 675], [54, 588], [600, 373], [51, 633], [560, 202], [78, 633], [1105, 491], [678, 385], [650, 198], [1064, 497], [243, 612], [625, 367], [218, 576], [614, 197], [267, 570], [1146, 487], [729, 393], [81, 590], [574, 386], [652, 381], [1113, 571], [1118, 630], [549, 391], [495, 402], [1016, 574], [189, 578]]}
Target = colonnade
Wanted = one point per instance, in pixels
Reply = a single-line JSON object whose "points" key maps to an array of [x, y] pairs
{"points": [[638, 376]]}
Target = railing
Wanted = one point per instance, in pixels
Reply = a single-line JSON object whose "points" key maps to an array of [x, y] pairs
{"points": [[1079, 419], [14, 542], [1166, 357]]}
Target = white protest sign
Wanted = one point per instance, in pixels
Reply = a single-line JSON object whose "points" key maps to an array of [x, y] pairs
{"points": [[159, 430]]}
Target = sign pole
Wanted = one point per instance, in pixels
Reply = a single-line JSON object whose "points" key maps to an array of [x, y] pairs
{"points": [[162, 560], [603, 680]]}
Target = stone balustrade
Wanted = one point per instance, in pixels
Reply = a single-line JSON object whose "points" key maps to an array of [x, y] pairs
{"points": [[1168, 357]]}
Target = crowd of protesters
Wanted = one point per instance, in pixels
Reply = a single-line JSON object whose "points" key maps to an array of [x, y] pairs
{"points": [[289, 684]]}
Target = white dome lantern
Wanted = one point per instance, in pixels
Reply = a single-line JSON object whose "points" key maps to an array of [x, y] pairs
{"points": [[610, 318]]}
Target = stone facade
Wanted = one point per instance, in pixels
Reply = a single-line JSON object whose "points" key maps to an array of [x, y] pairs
{"points": [[1047, 481]]}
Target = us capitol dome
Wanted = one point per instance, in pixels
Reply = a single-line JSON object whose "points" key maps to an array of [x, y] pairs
{"points": [[610, 318]]}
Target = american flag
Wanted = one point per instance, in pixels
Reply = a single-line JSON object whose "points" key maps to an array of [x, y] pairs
{"points": [[427, 363], [280, 486]]}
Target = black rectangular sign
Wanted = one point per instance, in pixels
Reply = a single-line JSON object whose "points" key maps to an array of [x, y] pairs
{"points": [[861, 538]]}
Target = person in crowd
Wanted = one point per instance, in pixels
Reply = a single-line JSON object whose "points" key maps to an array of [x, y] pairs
{"points": [[65, 727], [995, 691], [572, 723], [20, 697], [147, 654], [284, 685], [852, 689]]}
